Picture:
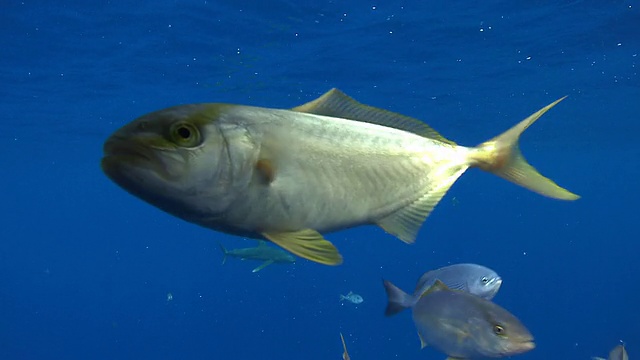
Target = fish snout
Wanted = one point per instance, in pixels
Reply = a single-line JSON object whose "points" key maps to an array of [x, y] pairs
{"points": [[520, 347]]}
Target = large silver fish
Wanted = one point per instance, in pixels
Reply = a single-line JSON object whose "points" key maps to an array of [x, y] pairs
{"points": [[290, 175]]}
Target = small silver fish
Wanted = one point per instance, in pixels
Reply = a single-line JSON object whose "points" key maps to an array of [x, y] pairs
{"points": [[352, 297], [466, 326], [472, 278]]}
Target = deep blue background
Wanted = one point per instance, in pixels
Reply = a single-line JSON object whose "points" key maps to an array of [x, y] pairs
{"points": [[85, 268]]}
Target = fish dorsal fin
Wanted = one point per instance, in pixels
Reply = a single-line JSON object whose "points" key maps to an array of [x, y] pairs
{"points": [[335, 103], [406, 222], [308, 244], [345, 354], [437, 286]]}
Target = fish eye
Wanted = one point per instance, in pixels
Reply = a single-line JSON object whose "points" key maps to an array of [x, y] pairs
{"points": [[185, 134], [485, 280], [498, 330]]}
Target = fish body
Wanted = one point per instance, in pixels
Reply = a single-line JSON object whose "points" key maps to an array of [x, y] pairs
{"points": [[466, 326], [472, 278], [352, 298], [289, 175], [261, 252]]}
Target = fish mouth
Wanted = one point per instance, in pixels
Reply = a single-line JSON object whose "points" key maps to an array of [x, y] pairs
{"points": [[116, 148], [523, 347], [122, 153]]}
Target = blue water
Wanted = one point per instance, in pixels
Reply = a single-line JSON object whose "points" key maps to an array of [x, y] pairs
{"points": [[85, 268]]}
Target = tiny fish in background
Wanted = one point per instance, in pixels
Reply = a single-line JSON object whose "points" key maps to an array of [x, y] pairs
{"points": [[261, 252], [472, 278], [352, 298]]}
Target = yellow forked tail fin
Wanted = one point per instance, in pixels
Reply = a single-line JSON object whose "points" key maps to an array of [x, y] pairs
{"points": [[501, 156]]}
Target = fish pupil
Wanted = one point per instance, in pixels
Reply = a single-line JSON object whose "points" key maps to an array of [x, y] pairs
{"points": [[184, 133]]}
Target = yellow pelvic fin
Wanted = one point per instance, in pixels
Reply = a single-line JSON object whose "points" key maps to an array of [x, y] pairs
{"points": [[266, 171], [501, 156], [335, 103], [308, 244], [406, 222]]}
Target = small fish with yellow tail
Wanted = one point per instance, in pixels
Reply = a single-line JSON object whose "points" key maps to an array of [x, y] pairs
{"points": [[288, 176]]}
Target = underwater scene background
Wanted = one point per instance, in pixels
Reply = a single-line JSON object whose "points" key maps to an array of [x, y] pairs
{"points": [[91, 272]]}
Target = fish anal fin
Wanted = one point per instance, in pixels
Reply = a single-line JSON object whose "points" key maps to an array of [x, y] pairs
{"points": [[406, 222], [263, 265], [308, 244], [335, 103], [266, 171]]}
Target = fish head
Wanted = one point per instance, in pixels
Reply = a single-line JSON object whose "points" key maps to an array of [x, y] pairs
{"points": [[174, 159], [288, 258], [485, 283], [498, 333]]}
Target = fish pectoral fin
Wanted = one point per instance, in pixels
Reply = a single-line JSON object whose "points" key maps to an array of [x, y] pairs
{"points": [[308, 244], [266, 171], [423, 344], [335, 103], [406, 222], [263, 265]]}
